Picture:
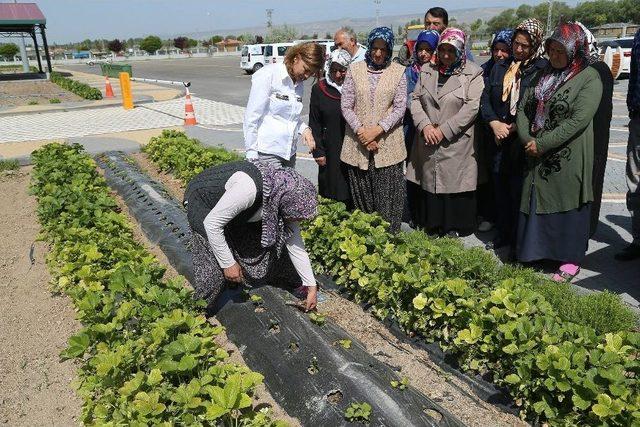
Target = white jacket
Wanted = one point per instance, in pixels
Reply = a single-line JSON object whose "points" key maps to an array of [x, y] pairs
{"points": [[272, 122]]}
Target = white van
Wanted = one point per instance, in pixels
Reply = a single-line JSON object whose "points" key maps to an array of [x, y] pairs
{"points": [[252, 57], [274, 53]]}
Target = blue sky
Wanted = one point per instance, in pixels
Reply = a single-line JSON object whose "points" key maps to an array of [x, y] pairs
{"points": [[75, 20]]}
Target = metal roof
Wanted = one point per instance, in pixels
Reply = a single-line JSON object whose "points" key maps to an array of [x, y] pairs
{"points": [[20, 15]]}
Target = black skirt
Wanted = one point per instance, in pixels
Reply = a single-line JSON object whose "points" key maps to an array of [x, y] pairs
{"points": [[442, 213], [562, 236]]}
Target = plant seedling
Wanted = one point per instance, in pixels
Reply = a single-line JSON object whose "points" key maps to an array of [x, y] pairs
{"points": [[318, 319], [256, 299], [346, 343], [358, 412], [402, 384], [313, 367], [54, 101], [32, 102]]}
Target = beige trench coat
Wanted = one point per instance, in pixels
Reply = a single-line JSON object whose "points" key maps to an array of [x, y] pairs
{"points": [[451, 166]]}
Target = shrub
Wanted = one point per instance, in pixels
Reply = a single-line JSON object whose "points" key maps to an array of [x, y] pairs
{"points": [[82, 90], [9, 165]]}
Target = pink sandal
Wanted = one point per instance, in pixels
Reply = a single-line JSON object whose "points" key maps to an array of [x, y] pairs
{"points": [[566, 273]]}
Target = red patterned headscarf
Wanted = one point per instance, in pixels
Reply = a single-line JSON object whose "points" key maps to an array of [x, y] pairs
{"points": [[574, 40]]}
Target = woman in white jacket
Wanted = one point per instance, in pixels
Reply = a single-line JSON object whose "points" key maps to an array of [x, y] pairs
{"points": [[272, 122]]}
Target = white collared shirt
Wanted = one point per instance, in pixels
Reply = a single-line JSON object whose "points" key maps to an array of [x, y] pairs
{"points": [[272, 122], [359, 56]]}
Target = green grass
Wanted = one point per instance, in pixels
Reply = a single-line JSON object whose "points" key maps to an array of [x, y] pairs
{"points": [[32, 102], [9, 165], [54, 101]]}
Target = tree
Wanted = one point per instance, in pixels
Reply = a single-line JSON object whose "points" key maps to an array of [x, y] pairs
{"points": [[9, 50], [115, 46], [216, 39], [230, 37], [285, 33], [505, 19], [476, 25], [150, 44], [181, 43]]}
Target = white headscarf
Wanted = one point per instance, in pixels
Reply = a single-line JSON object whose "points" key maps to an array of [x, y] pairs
{"points": [[341, 57], [593, 43]]}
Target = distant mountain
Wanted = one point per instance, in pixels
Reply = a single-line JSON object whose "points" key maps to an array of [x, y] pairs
{"points": [[358, 24]]}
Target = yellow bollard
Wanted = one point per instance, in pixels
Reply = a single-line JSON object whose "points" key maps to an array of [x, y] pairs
{"points": [[125, 87]]}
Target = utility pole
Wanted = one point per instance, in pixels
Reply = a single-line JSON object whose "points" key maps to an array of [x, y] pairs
{"points": [[377, 2], [549, 17], [23, 52], [269, 18]]}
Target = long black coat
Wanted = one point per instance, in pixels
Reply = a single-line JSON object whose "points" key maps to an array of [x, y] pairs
{"points": [[328, 127], [601, 124]]}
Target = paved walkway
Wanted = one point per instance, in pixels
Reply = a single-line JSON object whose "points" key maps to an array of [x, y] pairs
{"points": [[69, 124]]}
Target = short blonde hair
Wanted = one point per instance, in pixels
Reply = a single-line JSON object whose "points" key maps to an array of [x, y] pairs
{"points": [[310, 52]]}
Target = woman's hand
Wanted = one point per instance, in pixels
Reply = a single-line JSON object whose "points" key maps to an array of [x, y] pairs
{"points": [[372, 146], [500, 130], [234, 273], [368, 134], [321, 161], [312, 298], [532, 149], [308, 139], [434, 136]]}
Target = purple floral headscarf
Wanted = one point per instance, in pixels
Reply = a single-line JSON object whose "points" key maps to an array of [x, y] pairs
{"points": [[286, 195]]}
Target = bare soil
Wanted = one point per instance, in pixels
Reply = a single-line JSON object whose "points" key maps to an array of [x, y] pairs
{"points": [[416, 364], [262, 397], [15, 93], [35, 386]]}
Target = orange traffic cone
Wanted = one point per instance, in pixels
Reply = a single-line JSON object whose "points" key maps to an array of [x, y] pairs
{"points": [[108, 90], [189, 114]]}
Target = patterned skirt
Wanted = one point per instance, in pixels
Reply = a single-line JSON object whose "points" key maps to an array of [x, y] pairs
{"points": [[259, 266], [380, 190]]}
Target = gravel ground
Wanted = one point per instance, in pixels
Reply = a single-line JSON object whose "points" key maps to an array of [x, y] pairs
{"points": [[35, 385], [15, 93]]}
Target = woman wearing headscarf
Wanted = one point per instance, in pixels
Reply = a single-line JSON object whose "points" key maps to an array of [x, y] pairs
{"points": [[499, 107], [244, 218], [423, 49], [442, 162], [327, 124], [601, 126], [374, 99], [487, 147], [555, 125]]}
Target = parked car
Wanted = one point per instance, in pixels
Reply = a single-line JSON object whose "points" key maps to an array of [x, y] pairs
{"points": [[94, 61], [252, 57], [625, 43]]}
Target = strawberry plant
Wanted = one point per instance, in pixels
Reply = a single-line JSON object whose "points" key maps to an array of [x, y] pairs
{"points": [[184, 157], [358, 412], [146, 354]]}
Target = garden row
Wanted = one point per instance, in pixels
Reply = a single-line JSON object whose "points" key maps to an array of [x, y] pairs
{"points": [[566, 359], [147, 355], [81, 89]]}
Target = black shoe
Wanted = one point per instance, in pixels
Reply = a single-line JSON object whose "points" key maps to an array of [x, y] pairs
{"points": [[629, 253]]}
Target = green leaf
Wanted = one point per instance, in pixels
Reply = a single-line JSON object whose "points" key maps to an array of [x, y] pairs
{"points": [[512, 379], [562, 364], [580, 402], [346, 343], [77, 346], [155, 376], [420, 301], [510, 348]]}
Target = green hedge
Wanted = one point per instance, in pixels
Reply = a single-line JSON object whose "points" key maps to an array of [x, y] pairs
{"points": [[81, 89], [493, 319], [146, 354], [184, 157]]}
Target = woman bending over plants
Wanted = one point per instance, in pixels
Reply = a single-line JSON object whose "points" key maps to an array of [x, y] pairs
{"points": [[242, 216]]}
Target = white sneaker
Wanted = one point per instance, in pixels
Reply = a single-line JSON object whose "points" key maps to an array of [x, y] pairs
{"points": [[485, 226]]}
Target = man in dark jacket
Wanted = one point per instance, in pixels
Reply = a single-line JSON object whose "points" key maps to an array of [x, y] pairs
{"points": [[632, 251]]}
